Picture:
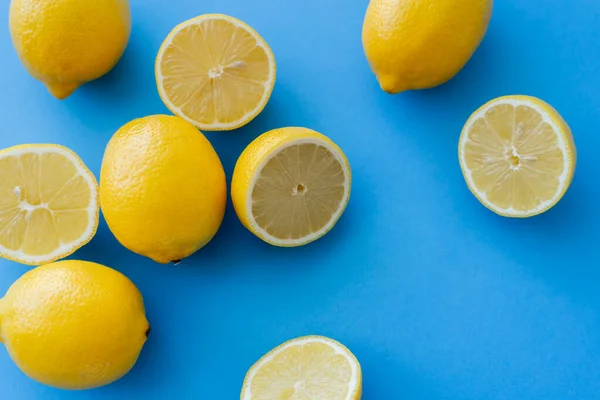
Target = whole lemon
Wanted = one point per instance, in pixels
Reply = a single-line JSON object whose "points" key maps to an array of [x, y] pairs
{"points": [[66, 43], [419, 44], [162, 188], [73, 324]]}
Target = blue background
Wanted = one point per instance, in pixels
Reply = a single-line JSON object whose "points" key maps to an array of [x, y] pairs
{"points": [[437, 297]]}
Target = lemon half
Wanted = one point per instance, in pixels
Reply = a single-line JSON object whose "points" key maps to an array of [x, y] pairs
{"points": [[290, 186], [517, 155], [311, 367], [48, 203], [216, 72]]}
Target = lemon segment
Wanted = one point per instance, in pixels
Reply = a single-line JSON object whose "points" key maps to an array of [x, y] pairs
{"points": [[517, 155], [48, 203], [311, 367], [290, 186], [216, 72]]}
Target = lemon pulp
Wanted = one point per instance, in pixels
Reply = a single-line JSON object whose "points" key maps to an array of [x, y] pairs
{"points": [[517, 155], [291, 185], [215, 71], [48, 203], [306, 368]]}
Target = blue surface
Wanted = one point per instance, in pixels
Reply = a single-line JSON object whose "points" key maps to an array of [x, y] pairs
{"points": [[438, 297]]}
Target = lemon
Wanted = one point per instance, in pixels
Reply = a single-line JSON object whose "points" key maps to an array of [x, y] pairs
{"points": [[215, 71], [162, 188], [421, 44], [48, 203], [290, 186], [73, 324], [66, 43], [311, 367], [517, 155]]}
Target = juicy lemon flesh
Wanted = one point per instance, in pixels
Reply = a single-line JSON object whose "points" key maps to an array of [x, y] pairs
{"points": [[44, 203], [309, 371], [215, 73], [515, 158], [298, 191]]}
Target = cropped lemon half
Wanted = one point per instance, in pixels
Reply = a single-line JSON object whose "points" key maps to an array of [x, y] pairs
{"points": [[216, 72], [517, 156], [311, 367], [48, 203], [290, 186]]}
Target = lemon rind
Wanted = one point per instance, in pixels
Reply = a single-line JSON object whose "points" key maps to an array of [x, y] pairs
{"points": [[65, 249], [564, 143], [269, 85], [355, 383], [266, 236]]}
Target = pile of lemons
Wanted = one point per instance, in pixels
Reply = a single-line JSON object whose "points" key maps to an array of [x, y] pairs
{"points": [[162, 190]]}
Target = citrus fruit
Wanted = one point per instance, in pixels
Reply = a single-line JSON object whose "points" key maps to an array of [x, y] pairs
{"points": [[215, 71], [517, 155], [48, 203], [311, 367], [73, 324], [421, 44], [162, 188], [290, 186], [66, 43]]}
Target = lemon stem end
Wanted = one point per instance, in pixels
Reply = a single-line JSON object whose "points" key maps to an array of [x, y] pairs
{"points": [[62, 90]]}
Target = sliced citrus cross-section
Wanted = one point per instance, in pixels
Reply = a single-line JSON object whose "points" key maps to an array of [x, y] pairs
{"points": [[216, 72], [517, 155], [48, 203], [311, 367], [290, 186]]}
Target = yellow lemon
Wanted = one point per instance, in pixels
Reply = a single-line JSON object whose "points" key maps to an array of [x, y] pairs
{"points": [[290, 186], [48, 203], [215, 71], [162, 188], [419, 44], [66, 43], [517, 155], [73, 324], [311, 367]]}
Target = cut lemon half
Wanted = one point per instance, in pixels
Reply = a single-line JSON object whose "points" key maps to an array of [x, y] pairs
{"points": [[290, 186], [48, 203], [311, 367], [517, 155], [216, 72]]}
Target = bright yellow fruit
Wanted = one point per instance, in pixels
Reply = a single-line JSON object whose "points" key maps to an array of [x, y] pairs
{"points": [[216, 72], [162, 188], [73, 324], [517, 155], [311, 367], [290, 186], [419, 44], [48, 203], [66, 43]]}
